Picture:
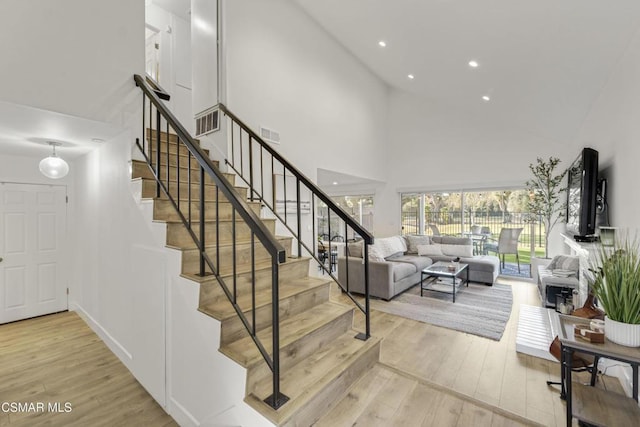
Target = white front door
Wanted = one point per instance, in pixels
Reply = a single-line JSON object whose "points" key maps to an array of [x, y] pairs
{"points": [[32, 241]]}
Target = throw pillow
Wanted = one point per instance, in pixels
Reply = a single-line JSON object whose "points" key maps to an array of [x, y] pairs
{"points": [[414, 241], [387, 246], [374, 254], [429, 250], [564, 262], [355, 249], [457, 250]]}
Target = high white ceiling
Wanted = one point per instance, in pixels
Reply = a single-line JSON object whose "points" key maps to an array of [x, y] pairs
{"points": [[24, 131], [542, 62]]}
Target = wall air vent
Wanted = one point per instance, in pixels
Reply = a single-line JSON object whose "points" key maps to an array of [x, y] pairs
{"points": [[269, 135], [207, 121]]}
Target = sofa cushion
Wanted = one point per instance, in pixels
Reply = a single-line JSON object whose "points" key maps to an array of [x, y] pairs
{"points": [[489, 263], [450, 240], [402, 270], [564, 262], [414, 241], [420, 262], [457, 250], [429, 250]]}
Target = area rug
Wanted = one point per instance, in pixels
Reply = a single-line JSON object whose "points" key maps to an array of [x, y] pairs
{"points": [[479, 309]]}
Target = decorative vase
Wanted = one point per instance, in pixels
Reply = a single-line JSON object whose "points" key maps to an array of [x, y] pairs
{"points": [[622, 333]]}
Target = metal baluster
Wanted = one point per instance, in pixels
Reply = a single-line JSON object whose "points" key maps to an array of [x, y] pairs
{"points": [[158, 152], [298, 217], [202, 214], [253, 285], [233, 250], [284, 190], [178, 173], [168, 168], [144, 110], [189, 188], [261, 175], [218, 229], [251, 167]]}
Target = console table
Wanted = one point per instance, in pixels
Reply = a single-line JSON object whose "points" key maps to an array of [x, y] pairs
{"points": [[589, 404]]}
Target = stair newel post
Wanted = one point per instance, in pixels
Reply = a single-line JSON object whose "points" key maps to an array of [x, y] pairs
{"points": [[366, 294], [158, 119], [298, 216], [202, 215], [346, 255], [277, 399]]}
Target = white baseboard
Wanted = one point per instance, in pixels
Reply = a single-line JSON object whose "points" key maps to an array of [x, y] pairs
{"points": [[620, 370], [180, 414], [114, 345]]}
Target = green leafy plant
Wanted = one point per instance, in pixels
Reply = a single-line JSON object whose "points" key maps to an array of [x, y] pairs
{"points": [[615, 280], [544, 195]]}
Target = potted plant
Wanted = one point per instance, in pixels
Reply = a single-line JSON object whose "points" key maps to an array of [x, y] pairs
{"points": [[544, 195], [615, 281]]}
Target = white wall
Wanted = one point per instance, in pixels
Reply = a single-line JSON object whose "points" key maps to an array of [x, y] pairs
{"points": [[284, 72], [71, 56], [175, 61], [119, 278], [435, 147], [613, 128]]}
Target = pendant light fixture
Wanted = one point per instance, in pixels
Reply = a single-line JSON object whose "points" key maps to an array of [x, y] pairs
{"points": [[53, 166]]}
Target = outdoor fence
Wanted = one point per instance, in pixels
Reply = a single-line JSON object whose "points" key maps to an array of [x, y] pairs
{"points": [[457, 222]]}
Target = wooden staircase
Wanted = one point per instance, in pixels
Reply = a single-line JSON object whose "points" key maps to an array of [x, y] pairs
{"points": [[319, 354]]}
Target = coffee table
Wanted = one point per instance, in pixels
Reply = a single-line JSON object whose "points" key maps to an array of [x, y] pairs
{"points": [[440, 270]]}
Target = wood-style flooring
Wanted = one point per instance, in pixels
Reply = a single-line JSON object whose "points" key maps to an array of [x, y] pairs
{"points": [[58, 360], [432, 376], [427, 376]]}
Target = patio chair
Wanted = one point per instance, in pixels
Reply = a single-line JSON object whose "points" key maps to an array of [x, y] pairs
{"points": [[507, 243]]}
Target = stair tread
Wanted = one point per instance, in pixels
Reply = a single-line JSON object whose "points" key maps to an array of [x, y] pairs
{"points": [[222, 309], [260, 264], [305, 380], [209, 221], [245, 352]]}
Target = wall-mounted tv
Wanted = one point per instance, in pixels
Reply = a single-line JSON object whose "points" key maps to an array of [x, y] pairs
{"points": [[582, 190]]}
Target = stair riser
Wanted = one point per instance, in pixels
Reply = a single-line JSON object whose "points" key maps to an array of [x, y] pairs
{"points": [[191, 257], [329, 397], [233, 329], [302, 348], [178, 236], [287, 271], [151, 134], [163, 210], [142, 170]]}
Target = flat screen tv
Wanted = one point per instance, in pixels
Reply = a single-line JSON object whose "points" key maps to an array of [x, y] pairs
{"points": [[582, 192]]}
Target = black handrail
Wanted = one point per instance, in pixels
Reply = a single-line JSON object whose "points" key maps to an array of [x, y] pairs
{"points": [[258, 191], [239, 207]]}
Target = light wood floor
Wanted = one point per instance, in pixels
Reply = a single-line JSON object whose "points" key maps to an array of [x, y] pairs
{"points": [[57, 358], [429, 375]]}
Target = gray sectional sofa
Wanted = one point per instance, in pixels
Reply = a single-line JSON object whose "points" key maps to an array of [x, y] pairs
{"points": [[395, 263]]}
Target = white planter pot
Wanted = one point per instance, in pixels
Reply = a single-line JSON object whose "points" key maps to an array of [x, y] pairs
{"points": [[622, 333]]}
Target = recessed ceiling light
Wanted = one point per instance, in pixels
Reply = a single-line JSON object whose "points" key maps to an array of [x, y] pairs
{"points": [[411, 76], [473, 64], [486, 98], [382, 43], [335, 183]]}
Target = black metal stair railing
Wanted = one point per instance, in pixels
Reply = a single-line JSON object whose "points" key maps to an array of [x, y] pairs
{"points": [[193, 207], [290, 195]]}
